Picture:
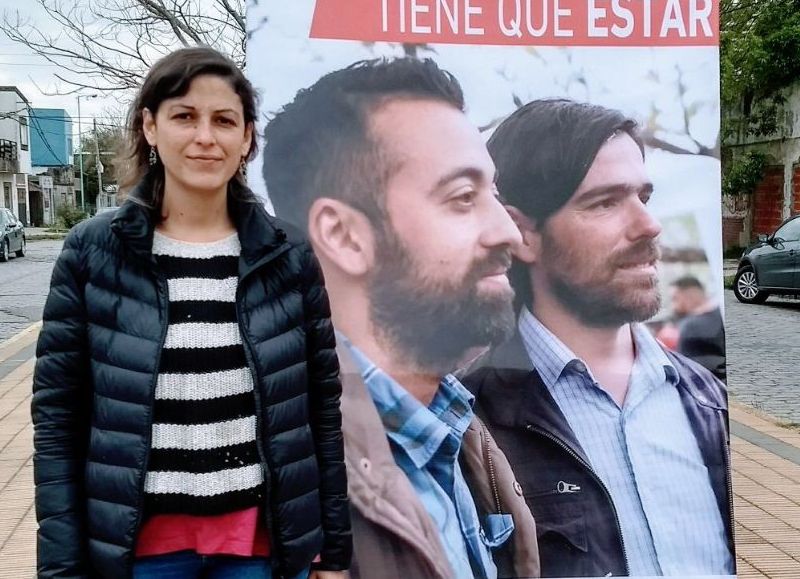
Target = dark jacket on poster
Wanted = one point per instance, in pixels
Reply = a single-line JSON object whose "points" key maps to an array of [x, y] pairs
{"points": [[394, 537], [702, 338], [579, 533], [105, 322]]}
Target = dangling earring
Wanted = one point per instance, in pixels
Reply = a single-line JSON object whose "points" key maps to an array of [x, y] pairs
{"points": [[243, 167], [153, 156]]}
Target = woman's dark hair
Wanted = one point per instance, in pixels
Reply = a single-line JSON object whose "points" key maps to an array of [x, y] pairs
{"points": [[171, 77]]}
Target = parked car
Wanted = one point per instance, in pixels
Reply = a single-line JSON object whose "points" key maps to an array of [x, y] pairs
{"points": [[771, 265], [12, 235]]}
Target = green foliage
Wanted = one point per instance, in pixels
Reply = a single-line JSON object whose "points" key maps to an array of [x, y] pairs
{"points": [[70, 216], [733, 252], [741, 177], [759, 57]]}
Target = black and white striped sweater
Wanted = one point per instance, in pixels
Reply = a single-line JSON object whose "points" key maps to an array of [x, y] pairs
{"points": [[203, 458]]}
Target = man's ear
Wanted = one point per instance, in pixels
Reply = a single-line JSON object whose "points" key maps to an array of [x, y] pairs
{"points": [[342, 235], [149, 126], [529, 250]]}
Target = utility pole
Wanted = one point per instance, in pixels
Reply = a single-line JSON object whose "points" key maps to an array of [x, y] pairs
{"points": [[80, 146], [98, 164]]}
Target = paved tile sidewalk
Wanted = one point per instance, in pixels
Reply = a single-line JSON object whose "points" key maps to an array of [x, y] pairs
{"points": [[766, 501], [766, 485], [17, 516]]}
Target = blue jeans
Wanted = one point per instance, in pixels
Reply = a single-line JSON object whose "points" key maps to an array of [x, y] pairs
{"points": [[190, 565]]}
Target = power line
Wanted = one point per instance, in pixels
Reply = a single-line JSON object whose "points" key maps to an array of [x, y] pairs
{"points": [[65, 120], [42, 65]]}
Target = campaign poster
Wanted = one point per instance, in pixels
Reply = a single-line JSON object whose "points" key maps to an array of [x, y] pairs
{"points": [[536, 217]]}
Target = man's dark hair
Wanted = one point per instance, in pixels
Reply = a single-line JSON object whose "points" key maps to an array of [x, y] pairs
{"points": [[542, 152], [319, 145], [688, 282]]}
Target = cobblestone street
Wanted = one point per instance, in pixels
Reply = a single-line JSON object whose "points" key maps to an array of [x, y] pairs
{"points": [[24, 282], [764, 354]]}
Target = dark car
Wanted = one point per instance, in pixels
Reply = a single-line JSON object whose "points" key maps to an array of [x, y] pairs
{"points": [[771, 265], [12, 235]]}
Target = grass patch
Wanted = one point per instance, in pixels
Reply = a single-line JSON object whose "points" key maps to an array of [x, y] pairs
{"points": [[734, 252], [727, 281]]}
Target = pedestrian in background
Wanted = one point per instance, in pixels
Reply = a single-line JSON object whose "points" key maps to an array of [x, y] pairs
{"points": [[186, 392], [701, 330]]}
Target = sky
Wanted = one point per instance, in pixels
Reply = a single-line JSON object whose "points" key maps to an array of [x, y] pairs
{"points": [[34, 76]]}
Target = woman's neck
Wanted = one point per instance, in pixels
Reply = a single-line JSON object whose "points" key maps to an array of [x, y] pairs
{"points": [[195, 216]]}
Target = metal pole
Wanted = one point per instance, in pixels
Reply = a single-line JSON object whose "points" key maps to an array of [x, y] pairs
{"points": [[80, 153], [98, 165]]}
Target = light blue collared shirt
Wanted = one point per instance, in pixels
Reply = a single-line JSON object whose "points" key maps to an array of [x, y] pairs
{"points": [[645, 453], [425, 443]]}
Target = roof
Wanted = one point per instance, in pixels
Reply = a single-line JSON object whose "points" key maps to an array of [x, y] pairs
{"points": [[16, 90], [45, 113]]}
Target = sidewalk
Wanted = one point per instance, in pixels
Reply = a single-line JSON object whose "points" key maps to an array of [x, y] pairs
{"points": [[36, 233], [766, 464]]}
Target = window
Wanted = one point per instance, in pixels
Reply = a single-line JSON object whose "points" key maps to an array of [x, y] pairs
{"points": [[23, 133], [790, 231]]}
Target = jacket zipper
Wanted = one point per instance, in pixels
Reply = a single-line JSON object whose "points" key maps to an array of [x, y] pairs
{"points": [[163, 291], [266, 466], [729, 480], [573, 454], [490, 466]]}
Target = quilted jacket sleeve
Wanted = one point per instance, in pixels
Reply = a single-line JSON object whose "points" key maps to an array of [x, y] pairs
{"points": [[61, 411], [325, 389]]}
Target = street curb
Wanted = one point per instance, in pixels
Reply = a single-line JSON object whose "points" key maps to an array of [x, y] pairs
{"points": [[741, 406], [7, 348], [45, 236], [769, 443]]}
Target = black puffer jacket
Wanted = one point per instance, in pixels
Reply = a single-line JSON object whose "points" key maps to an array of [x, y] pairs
{"points": [[98, 354]]}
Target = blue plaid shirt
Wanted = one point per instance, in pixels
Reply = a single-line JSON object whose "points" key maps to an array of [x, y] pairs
{"points": [[644, 452], [425, 443]]}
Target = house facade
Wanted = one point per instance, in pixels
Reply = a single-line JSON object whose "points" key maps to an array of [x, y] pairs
{"points": [[15, 152], [777, 196]]}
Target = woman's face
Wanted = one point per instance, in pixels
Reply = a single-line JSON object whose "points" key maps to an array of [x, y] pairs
{"points": [[201, 136]]}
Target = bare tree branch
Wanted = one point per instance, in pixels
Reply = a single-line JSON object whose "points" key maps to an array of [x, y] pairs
{"points": [[108, 45]]}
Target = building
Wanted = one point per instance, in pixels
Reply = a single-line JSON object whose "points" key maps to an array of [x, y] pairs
{"points": [[48, 191], [777, 196], [15, 154], [51, 138], [52, 158]]}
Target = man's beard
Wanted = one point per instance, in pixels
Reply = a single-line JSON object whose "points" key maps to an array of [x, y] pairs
{"points": [[430, 324], [601, 301]]}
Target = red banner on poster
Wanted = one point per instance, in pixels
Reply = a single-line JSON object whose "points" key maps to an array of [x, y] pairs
{"points": [[521, 22]]}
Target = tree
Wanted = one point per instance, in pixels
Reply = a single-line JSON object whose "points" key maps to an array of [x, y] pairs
{"points": [[759, 59], [108, 45], [109, 140]]}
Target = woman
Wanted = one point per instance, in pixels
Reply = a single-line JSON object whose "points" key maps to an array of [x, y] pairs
{"points": [[186, 393]]}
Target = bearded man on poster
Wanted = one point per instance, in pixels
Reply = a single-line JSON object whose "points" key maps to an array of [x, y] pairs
{"points": [[396, 189], [620, 445]]}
